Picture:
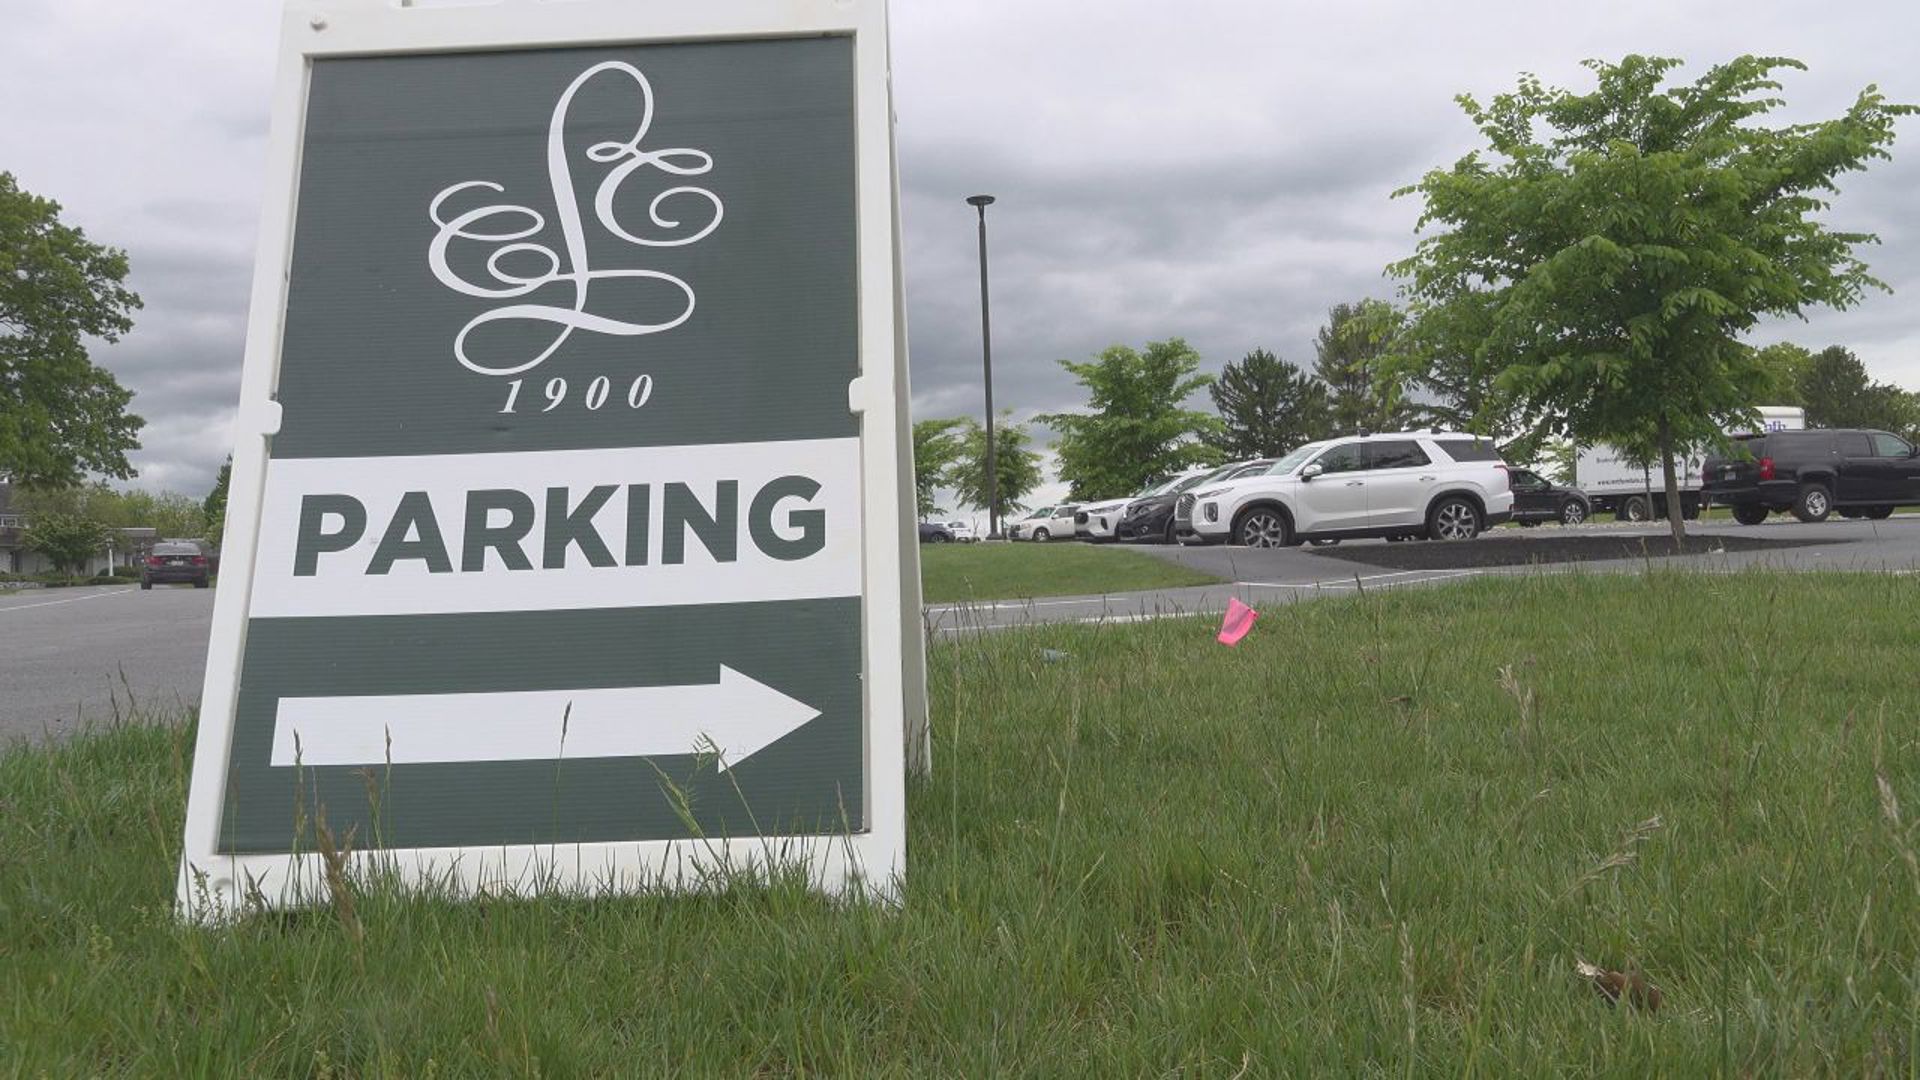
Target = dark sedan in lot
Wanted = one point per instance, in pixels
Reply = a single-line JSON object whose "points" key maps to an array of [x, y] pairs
{"points": [[172, 563], [1537, 500]]}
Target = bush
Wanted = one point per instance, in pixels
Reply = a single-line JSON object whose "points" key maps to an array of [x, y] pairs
{"points": [[126, 571], [54, 580]]}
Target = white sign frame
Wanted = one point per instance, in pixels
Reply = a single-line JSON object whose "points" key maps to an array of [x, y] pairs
{"points": [[213, 885]]}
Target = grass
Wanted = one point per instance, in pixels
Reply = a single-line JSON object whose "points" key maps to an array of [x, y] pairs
{"points": [[952, 573], [1373, 839]]}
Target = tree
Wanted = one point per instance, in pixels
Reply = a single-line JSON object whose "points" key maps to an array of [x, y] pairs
{"points": [[214, 509], [1137, 430], [1611, 248], [66, 540], [936, 446], [1786, 366], [1364, 393], [1557, 459], [1016, 466], [60, 416], [168, 513], [1836, 391], [1267, 407]]}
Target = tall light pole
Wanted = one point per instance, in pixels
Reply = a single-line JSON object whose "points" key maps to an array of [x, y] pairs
{"points": [[980, 204]]}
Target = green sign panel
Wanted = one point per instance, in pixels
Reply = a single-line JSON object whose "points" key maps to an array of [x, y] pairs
{"points": [[565, 528]]}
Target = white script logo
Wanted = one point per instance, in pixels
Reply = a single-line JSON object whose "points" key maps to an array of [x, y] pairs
{"points": [[510, 236]]}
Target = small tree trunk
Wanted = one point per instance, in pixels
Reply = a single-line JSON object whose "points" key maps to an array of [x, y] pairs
{"points": [[1676, 518]]}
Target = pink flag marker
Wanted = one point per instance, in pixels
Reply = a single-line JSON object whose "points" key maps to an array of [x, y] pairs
{"points": [[1239, 620]]}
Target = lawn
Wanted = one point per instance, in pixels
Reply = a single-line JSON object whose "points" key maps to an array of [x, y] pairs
{"points": [[952, 573], [1372, 839]]}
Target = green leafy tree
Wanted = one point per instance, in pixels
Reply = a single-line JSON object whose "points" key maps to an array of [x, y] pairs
{"points": [[169, 513], [1016, 465], [1137, 429], [60, 416], [1267, 407], [1837, 392], [66, 540], [1610, 249], [1556, 458], [1364, 393], [214, 509], [936, 446], [1786, 366]]}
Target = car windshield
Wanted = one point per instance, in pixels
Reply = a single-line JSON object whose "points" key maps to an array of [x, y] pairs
{"points": [[1148, 492], [1224, 472], [1043, 512], [1296, 459]]}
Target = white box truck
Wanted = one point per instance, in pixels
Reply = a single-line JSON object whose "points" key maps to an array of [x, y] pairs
{"points": [[1631, 493]]}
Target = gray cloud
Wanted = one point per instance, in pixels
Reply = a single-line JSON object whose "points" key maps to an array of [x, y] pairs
{"points": [[1213, 170]]}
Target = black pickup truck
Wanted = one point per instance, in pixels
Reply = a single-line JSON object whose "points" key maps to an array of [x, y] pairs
{"points": [[1852, 471]]}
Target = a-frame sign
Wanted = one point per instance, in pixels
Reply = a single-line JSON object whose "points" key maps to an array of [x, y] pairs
{"points": [[570, 540]]}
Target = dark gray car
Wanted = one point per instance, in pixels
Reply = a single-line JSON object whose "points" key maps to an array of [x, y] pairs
{"points": [[173, 563]]}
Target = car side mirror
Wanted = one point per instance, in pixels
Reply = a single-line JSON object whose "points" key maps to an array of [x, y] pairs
{"points": [[1311, 471]]}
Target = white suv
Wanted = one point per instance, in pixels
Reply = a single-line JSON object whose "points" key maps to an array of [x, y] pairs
{"points": [[1046, 523], [1441, 485]]}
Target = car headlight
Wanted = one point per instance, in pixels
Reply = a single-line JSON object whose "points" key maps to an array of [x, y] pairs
{"points": [[1212, 512]]}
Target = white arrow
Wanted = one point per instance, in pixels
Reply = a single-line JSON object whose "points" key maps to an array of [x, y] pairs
{"points": [[738, 716]]}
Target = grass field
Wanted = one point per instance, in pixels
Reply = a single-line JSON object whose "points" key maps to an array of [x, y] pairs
{"points": [[952, 573], [1373, 839]]}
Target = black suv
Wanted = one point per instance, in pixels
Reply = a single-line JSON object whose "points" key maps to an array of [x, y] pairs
{"points": [[1856, 472]]}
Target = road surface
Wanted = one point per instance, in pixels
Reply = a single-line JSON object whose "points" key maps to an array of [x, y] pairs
{"points": [[72, 656]]}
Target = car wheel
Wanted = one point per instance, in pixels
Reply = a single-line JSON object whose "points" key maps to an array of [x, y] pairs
{"points": [[201, 584], [1749, 513], [1263, 527], [146, 584], [1879, 513], [1813, 503], [1042, 535], [941, 538], [1453, 519], [1171, 536], [1573, 512], [1636, 509]]}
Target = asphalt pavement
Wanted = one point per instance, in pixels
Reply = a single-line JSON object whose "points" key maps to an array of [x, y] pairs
{"points": [[73, 656]]}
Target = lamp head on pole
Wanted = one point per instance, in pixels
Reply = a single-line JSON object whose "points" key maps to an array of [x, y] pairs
{"points": [[980, 201]]}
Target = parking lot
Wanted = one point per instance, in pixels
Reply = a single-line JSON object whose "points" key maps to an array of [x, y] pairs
{"points": [[74, 655], [1283, 575]]}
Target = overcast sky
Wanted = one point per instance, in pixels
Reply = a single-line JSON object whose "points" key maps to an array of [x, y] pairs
{"points": [[1212, 170]]}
